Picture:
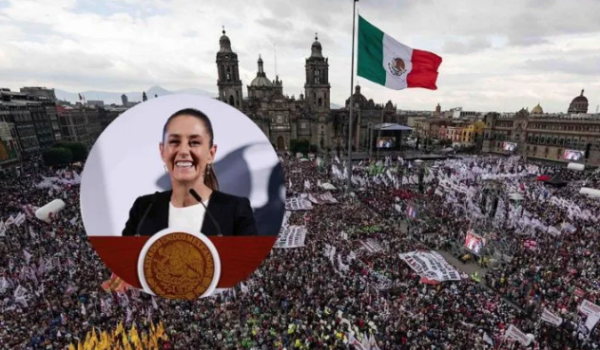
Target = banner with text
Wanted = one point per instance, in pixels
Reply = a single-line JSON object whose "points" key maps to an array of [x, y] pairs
{"points": [[297, 204], [518, 335], [291, 237], [551, 318], [431, 265]]}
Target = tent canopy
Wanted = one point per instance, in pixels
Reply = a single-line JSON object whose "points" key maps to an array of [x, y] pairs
{"points": [[391, 127], [592, 192], [516, 196], [576, 166]]}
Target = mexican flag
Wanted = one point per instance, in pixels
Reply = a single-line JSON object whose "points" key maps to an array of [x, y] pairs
{"points": [[383, 60]]}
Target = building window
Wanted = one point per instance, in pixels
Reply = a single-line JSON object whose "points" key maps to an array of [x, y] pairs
{"points": [[303, 125], [279, 119]]}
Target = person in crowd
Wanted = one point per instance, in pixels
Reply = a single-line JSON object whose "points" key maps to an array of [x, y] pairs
{"points": [[302, 298]]}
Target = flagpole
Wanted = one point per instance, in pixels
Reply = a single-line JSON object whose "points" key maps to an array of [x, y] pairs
{"points": [[349, 182]]}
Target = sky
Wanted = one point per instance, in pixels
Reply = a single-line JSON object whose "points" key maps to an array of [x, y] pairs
{"points": [[497, 55]]}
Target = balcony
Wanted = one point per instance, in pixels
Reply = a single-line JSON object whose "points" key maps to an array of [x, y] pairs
{"points": [[281, 127]]}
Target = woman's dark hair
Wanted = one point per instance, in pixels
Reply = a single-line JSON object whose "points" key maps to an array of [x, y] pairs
{"points": [[210, 178]]}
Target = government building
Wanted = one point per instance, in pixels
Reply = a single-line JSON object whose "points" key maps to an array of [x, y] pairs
{"points": [[535, 135], [309, 117]]}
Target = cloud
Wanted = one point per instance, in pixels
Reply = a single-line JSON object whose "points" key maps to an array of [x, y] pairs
{"points": [[276, 24], [586, 66], [470, 46], [497, 55]]}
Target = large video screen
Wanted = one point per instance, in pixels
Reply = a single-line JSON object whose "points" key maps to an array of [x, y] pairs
{"points": [[571, 154], [474, 243], [510, 146], [386, 142]]}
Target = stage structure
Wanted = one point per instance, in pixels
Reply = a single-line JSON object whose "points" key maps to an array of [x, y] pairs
{"points": [[495, 247], [385, 138], [490, 196]]}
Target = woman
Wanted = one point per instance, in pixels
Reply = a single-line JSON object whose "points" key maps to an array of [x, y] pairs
{"points": [[188, 152]]}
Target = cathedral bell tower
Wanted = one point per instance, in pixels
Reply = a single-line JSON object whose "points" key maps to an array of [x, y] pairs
{"points": [[317, 86], [229, 83]]}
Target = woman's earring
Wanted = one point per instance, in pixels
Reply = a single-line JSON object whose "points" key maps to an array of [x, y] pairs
{"points": [[166, 170], [207, 168]]}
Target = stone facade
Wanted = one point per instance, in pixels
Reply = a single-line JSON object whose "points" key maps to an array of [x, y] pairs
{"points": [[34, 119], [545, 136], [309, 117]]}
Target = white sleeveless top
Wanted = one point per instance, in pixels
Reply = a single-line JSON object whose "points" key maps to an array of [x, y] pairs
{"points": [[190, 217]]}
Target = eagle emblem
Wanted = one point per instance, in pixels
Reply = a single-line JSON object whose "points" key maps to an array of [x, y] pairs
{"points": [[397, 66]]}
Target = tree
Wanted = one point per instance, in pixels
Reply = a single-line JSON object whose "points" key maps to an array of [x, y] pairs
{"points": [[57, 156], [446, 143], [313, 148], [79, 151], [4, 155], [299, 146]]}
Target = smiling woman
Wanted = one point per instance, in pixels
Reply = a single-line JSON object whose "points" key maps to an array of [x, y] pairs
{"points": [[155, 212], [188, 153]]}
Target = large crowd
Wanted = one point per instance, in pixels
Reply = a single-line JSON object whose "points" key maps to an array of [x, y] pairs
{"points": [[332, 292]]}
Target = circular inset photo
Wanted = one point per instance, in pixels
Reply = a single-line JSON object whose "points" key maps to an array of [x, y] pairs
{"points": [[186, 190]]}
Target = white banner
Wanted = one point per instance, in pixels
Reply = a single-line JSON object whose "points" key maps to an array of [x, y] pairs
{"points": [[297, 204], [286, 219], [551, 318], [329, 187], [517, 335], [291, 237], [589, 308], [568, 227], [431, 265], [591, 321], [371, 246], [322, 198]]}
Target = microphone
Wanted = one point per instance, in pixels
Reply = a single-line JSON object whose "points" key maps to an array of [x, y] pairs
{"points": [[212, 218], [139, 226]]}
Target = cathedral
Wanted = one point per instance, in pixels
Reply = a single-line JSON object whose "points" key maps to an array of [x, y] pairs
{"points": [[308, 117]]}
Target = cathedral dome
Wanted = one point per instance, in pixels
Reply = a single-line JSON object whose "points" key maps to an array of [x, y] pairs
{"points": [[580, 98], [579, 104], [537, 110], [224, 43], [358, 98], [261, 79], [316, 49]]}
